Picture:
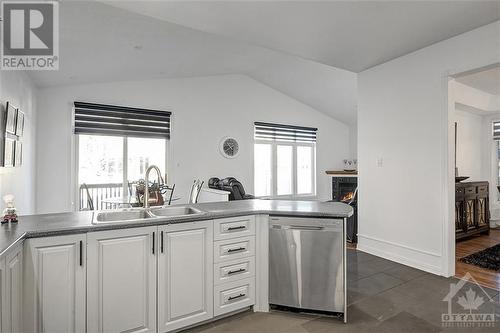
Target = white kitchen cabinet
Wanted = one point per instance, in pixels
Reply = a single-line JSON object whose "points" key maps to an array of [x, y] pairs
{"points": [[12, 310], [121, 280], [185, 274], [233, 227], [234, 296], [54, 285], [11, 279]]}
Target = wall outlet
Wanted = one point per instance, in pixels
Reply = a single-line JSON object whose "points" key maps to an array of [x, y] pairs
{"points": [[380, 162]]}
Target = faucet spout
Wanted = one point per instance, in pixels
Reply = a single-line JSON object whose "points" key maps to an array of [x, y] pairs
{"points": [[146, 190]]}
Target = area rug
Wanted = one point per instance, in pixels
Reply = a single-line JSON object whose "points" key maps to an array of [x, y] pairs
{"points": [[488, 258]]}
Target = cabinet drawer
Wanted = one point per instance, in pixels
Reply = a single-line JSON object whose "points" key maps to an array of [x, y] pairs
{"points": [[234, 248], [234, 296], [234, 270], [482, 189], [470, 190], [234, 227]]}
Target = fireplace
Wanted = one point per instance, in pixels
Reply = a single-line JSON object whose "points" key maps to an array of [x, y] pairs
{"points": [[345, 189]]}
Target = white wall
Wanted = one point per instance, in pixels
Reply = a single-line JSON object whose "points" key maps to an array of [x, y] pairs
{"points": [[471, 146], [405, 203], [204, 110], [17, 88]]}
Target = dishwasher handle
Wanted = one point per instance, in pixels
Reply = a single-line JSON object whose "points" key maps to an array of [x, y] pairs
{"points": [[297, 227]]}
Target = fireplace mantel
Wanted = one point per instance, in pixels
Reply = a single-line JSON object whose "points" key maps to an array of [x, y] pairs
{"points": [[342, 173]]}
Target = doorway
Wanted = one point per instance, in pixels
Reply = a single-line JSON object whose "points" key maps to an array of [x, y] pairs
{"points": [[474, 119]]}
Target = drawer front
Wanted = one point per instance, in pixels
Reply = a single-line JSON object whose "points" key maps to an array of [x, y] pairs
{"points": [[229, 271], [234, 296], [482, 189], [236, 248], [470, 190], [234, 227]]}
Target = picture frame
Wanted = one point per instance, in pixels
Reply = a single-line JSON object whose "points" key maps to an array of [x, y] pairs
{"points": [[9, 148], [20, 123], [11, 118], [18, 154]]}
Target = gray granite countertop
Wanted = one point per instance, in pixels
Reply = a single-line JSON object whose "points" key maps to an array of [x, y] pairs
{"points": [[78, 222]]}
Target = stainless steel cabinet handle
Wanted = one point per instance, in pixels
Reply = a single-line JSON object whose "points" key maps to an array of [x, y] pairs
{"points": [[236, 250], [232, 298], [236, 228], [236, 271]]}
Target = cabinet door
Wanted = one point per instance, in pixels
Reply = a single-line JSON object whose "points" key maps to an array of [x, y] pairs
{"points": [[13, 288], [55, 284], [185, 275], [121, 277]]}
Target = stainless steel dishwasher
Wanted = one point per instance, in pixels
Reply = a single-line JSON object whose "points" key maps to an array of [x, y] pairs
{"points": [[307, 263]]}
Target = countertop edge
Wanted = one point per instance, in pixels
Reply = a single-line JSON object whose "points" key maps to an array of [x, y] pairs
{"points": [[166, 221]]}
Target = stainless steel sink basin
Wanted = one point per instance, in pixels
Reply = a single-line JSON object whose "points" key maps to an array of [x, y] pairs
{"points": [[175, 211], [138, 215], [121, 216]]}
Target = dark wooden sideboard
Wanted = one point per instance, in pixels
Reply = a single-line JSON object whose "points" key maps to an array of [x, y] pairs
{"points": [[472, 213]]}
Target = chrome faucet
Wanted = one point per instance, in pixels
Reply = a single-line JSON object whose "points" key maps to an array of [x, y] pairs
{"points": [[146, 190]]}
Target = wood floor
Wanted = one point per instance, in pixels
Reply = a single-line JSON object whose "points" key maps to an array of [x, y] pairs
{"points": [[485, 277]]}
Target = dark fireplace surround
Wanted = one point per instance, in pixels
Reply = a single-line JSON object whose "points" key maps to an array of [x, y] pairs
{"points": [[344, 189]]}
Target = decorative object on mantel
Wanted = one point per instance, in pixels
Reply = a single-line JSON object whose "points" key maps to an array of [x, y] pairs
{"points": [[10, 212], [458, 178], [350, 165], [229, 147], [341, 172]]}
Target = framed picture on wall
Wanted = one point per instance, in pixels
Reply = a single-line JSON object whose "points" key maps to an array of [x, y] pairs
{"points": [[10, 124], [20, 123], [18, 154], [8, 154]]}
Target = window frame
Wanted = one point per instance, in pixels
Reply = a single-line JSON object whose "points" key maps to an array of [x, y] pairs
{"points": [[76, 159], [274, 168]]}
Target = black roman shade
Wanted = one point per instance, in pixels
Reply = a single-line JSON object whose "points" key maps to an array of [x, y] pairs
{"points": [[278, 132], [101, 119], [496, 130]]}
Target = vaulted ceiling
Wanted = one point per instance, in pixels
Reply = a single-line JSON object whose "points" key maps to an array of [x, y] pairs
{"points": [[352, 35], [307, 50]]}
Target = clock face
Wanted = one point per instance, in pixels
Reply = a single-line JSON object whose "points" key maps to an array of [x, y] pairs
{"points": [[229, 147]]}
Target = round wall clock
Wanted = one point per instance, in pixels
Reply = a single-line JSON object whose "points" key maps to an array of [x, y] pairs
{"points": [[229, 147]]}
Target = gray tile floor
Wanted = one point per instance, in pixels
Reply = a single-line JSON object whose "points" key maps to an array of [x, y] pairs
{"points": [[383, 296]]}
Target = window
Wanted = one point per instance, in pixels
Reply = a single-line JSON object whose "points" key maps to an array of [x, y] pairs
{"points": [[284, 160], [496, 138], [104, 159], [115, 146]]}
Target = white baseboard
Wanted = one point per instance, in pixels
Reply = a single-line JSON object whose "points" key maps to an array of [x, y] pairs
{"points": [[426, 261]]}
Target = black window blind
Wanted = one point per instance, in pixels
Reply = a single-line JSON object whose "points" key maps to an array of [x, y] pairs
{"points": [[279, 132], [102, 119], [496, 130]]}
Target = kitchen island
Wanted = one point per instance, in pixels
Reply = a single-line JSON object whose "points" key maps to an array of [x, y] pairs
{"points": [[153, 275]]}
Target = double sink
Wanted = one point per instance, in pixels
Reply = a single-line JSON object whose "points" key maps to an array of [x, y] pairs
{"points": [[141, 214]]}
